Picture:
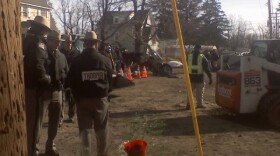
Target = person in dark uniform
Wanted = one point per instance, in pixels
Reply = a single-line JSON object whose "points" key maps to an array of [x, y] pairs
{"points": [[197, 64], [70, 53], [90, 78], [118, 59], [57, 68], [36, 78]]}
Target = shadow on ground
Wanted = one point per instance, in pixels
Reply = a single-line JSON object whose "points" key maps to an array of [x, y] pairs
{"points": [[207, 123], [131, 114], [212, 124]]}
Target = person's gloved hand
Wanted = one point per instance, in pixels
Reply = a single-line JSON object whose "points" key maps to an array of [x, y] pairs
{"points": [[210, 81]]}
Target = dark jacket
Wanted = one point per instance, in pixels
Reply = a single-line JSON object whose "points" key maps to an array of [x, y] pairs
{"points": [[90, 75], [199, 78], [69, 55], [35, 62], [57, 68]]}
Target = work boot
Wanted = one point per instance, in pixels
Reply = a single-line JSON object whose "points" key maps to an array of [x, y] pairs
{"points": [[52, 152], [51, 149], [35, 153]]}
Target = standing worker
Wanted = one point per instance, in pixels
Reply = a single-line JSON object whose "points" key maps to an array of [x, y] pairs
{"points": [[57, 68], [70, 53], [197, 64], [90, 77], [36, 78]]}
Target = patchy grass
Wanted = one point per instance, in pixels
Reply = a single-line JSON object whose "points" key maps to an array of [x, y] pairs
{"points": [[145, 127]]}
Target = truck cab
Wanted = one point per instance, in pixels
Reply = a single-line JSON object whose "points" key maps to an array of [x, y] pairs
{"points": [[269, 50]]}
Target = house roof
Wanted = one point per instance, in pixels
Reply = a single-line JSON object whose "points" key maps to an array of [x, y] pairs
{"points": [[40, 3]]}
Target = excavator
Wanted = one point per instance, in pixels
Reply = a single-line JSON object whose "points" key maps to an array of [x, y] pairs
{"points": [[251, 83]]}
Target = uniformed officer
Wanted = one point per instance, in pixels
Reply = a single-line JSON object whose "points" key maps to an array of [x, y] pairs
{"points": [[197, 64], [90, 77], [57, 68], [36, 78], [70, 53]]}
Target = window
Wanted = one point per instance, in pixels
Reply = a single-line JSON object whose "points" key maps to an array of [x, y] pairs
{"points": [[116, 37], [116, 20], [44, 13], [133, 31], [274, 53], [259, 49], [21, 11], [24, 11], [28, 12], [39, 12]]}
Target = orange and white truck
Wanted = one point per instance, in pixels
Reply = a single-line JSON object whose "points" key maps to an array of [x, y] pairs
{"points": [[252, 83]]}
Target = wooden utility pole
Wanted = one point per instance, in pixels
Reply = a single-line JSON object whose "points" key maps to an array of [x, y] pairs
{"points": [[12, 116], [270, 20]]}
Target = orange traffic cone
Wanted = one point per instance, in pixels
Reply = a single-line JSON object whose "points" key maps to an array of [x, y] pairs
{"points": [[144, 73], [138, 73], [121, 72], [129, 75], [125, 70]]}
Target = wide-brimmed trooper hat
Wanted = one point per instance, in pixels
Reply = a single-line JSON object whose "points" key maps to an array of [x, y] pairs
{"points": [[40, 21], [66, 38], [90, 36], [54, 35]]}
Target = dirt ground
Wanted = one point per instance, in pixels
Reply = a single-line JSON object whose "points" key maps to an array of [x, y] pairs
{"points": [[153, 110]]}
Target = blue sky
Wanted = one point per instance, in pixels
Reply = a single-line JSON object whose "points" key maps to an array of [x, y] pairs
{"points": [[254, 11]]}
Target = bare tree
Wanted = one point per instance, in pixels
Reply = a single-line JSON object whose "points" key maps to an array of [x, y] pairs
{"points": [[61, 11], [262, 32], [91, 11], [104, 6], [240, 29], [138, 14], [79, 15], [12, 115], [73, 16]]}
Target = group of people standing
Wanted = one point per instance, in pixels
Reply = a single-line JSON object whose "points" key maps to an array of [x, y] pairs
{"points": [[52, 66]]}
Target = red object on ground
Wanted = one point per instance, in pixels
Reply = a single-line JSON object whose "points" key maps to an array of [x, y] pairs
{"points": [[136, 148]]}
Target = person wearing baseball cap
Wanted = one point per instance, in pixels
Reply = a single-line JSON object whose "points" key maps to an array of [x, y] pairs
{"points": [[90, 79], [36, 78]]}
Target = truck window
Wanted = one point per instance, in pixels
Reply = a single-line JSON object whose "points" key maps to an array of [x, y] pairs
{"points": [[274, 53], [259, 49]]}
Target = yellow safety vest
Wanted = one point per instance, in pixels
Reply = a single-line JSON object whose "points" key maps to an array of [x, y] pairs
{"points": [[195, 68]]}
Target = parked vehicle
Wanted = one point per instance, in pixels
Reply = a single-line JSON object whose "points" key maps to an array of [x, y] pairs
{"points": [[251, 83]]}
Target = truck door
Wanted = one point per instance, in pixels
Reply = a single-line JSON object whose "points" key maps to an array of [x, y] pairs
{"points": [[274, 57]]}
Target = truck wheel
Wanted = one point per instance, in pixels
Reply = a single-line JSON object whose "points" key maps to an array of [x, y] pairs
{"points": [[269, 110], [273, 115], [262, 109]]}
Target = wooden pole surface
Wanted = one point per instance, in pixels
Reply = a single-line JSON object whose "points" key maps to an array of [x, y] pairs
{"points": [[12, 115], [186, 71]]}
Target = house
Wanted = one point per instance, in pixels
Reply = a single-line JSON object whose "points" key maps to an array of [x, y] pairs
{"points": [[119, 30], [31, 8]]}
